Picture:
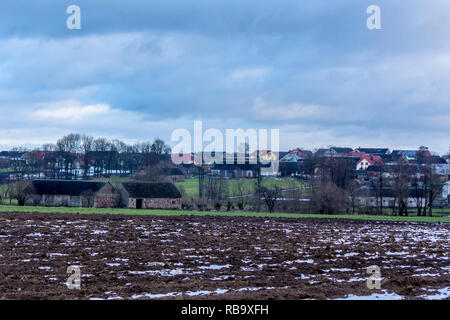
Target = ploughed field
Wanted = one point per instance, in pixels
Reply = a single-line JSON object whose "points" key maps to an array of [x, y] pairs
{"points": [[187, 257]]}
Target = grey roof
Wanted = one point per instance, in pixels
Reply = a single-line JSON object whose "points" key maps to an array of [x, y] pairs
{"points": [[67, 187], [374, 151], [151, 190]]}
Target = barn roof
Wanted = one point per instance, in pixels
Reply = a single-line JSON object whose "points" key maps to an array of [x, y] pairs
{"points": [[374, 151], [67, 187], [151, 190]]}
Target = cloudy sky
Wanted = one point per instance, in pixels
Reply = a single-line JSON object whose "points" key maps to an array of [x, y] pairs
{"points": [[140, 69]]}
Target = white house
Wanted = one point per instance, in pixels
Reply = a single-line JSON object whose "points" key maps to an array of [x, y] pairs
{"points": [[367, 161]]}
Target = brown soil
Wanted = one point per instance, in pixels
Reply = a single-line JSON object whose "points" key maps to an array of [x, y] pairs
{"points": [[139, 257]]}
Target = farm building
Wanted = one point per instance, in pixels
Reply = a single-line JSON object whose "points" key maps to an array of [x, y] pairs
{"points": [[235, 170], [173, 175], [141, 195], [368, 196], [71, 193]]}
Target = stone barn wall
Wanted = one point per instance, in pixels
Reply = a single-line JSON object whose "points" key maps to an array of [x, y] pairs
{"points": [[107, 197], [156, 203]]}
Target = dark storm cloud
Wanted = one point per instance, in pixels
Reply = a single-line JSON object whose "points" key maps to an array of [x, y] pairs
{"points": [[311, 68]]}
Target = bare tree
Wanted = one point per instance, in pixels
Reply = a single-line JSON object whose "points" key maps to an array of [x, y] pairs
{"points": [[216, 189], [18, 163], [328, 198], [270, 196], [419, 192], [400, 187], [242, 190], [68, 148], [434, 188], [21, 191], [378, 183], [86, 146], [159, 147], [158, 172], [353, 189]]}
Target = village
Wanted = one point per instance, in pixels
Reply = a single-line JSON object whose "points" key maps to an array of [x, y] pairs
{"points": [[109, 174]]}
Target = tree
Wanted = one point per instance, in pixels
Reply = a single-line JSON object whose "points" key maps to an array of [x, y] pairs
{"points": [[86, 146], [434, 188], [418, 192], [340, 171], [270, 196], [122, 149], [18, 163], [159, 147], [400, 187], [353, 189], [68, 148], [328, 198], [377, 183], [158, 172], [21, 191], [242, 190]]}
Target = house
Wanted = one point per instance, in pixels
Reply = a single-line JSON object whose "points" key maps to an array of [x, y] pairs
{"points": [[435, 160], [447, 158], [291, 157], [333, 152], [295, 155], [356, 154], [391, 170], [71, 193], [149, 195], [342, 151], [411, 155], [367, 161], [245, 170], [374, 151], [446, 191], [264, 156], [442, 170], [387, 158], [369, 197]]}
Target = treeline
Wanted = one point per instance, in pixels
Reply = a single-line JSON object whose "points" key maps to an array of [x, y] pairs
{"points": [[76, 155]]}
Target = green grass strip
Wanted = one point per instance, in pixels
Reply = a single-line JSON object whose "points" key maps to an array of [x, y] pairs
{"points": [[134, 212]]}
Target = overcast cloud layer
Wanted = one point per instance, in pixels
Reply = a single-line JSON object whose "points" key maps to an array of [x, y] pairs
{"points": [[140, 69]]}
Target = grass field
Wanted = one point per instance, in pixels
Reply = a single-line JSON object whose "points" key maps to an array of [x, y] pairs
{"points": [[191, 185], [212, 213]]}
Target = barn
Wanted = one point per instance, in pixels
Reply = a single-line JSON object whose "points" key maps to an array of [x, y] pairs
{"points": [[145, 195], [74, 193]]}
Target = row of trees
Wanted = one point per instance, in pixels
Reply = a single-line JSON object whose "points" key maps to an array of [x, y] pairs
{"points": [[76, 154]]}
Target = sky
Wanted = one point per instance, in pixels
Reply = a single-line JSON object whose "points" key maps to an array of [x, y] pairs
{"points": [[140, 69]]}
